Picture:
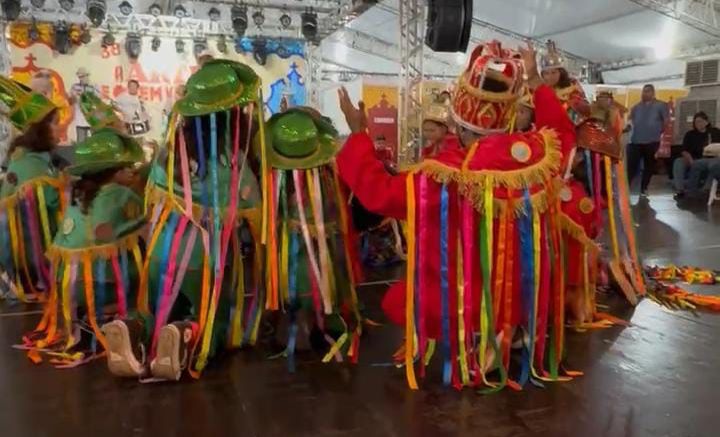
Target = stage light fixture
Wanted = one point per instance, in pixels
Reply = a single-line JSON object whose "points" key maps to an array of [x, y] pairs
{"points": [[180, 12], [85, 36], [222, 44], [133, 45], [179, 46], [126, 8], [37, 4], [62, 37], [239, 18], [259, 18], [199, 45], [155, 44], [155, 10], [96, 11], [11, 9], [260, 51], [67, 5], [108, 39], [285, 20], [33, 32], [214, 14], [309, 24]]}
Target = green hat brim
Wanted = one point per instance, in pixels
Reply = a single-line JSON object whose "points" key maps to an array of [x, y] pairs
{"points": [[192, 103], [133, 154], [324, 153]]}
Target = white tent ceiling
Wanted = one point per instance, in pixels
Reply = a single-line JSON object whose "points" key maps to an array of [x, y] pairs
{"points": [[602, 32]]}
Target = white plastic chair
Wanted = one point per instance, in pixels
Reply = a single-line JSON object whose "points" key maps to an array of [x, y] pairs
{"points": [[713, 192]]}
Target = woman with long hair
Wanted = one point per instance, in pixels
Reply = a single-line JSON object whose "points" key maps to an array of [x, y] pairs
{"points": [[96, 254], [30, 194]]}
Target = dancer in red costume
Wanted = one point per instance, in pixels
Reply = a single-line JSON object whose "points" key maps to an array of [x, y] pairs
{"points": [[482, 228], [436, 129]]}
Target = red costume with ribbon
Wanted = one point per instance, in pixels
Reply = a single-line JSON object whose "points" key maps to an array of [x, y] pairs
{"points": [[483, 235]]}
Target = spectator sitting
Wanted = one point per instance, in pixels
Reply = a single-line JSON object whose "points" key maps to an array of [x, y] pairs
{"points": [[692, 163]]}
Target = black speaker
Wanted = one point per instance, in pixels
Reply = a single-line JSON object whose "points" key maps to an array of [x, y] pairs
{"points": [[448, 25]]}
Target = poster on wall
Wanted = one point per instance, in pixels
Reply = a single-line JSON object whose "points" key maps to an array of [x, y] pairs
{"points": [[381, 103], [142, 90]]}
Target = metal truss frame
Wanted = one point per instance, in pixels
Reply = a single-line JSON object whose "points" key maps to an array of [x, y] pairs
{"points": [[701, 15], [313, 63], [412, 42]]}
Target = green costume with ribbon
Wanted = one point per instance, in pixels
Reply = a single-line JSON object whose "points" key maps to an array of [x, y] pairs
{"points": [[30, 199], [204, 204], [96, 253], [311, 257]]}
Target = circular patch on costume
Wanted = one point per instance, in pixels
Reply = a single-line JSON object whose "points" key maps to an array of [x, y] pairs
{"points": [[521, 152], [566, 194], [68, 225], [586, 205], [11, 178], [104, 231]]}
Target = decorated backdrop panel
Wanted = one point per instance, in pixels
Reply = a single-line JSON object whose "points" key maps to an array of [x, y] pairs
{"points": [[381, 103], [158, 72]]}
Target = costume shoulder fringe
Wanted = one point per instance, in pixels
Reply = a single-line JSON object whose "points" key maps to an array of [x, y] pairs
{"points": [[104, 251], [156, 195], [10, 200], [576, 232], [471, 183]]}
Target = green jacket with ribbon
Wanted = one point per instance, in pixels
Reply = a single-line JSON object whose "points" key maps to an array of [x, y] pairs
{"points": [[30, 206]]}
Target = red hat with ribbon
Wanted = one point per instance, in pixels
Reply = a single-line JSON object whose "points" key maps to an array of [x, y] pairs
{"points": [[488, 88]]}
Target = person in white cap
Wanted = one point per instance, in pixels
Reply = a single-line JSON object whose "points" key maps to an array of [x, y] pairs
{"points": [[83, 85]]}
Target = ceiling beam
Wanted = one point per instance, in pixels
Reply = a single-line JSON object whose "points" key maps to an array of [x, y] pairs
{"points": [[701, 15], [710, 48]]}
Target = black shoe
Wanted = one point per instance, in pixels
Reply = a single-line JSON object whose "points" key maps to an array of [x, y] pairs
{"points": [[679, 195]]}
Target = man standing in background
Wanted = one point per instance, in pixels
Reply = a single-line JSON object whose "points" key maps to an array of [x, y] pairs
{"points": [[647, 120], [82, 128], [133, 109]]}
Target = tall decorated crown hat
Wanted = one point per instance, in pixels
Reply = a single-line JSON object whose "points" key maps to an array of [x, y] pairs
{"points": [[22, 106], [551, 58], [300, 138], [104, 150], [98, 114], [437, 109], [488, 89]]}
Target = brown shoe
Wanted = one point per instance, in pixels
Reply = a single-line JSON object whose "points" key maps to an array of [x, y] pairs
{"points": [[172, 351], [126, 353]]}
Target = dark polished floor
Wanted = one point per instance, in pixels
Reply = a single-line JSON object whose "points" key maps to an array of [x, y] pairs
{"points": [[660, 377]]}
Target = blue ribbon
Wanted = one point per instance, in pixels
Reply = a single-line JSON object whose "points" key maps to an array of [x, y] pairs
{"points": [[589, 170], [527, 280], [169, 230], [444, 285], [125, 274], [202, 168], [294, 304], [215, 194], [100, 293]]}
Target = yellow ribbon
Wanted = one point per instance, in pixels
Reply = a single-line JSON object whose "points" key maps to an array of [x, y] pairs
{"points": [[410, 284], [66, 303], [462, 350], [14, 246], [611, 208], [43, 214]]}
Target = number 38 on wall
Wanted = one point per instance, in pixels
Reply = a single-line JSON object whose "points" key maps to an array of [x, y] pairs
{"points": [[111, 50]]}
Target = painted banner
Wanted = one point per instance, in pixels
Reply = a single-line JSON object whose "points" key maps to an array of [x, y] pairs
{"points": [[160, 73], [381, 103]]}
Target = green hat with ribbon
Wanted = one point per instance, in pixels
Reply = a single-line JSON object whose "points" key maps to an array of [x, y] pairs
{"points": [[103, 150], [218, 85], [22, 106], [300, 138], [98, 114]]}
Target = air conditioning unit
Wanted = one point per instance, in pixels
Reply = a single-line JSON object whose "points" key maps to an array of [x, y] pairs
{"points": [[703, 79], [702, 73]]}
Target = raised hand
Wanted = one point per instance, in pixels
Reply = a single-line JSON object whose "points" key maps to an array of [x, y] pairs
{"points": [[355, 117]]}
